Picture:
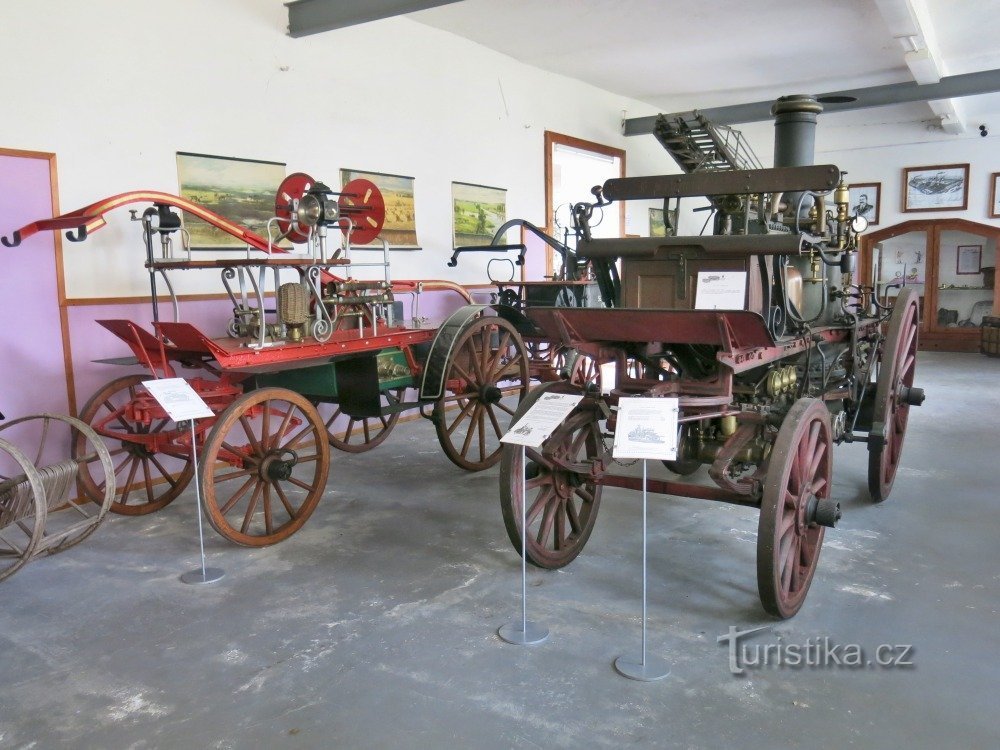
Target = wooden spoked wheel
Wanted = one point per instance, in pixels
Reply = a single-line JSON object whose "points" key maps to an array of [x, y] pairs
{"points": [[897, 367], [798, 476], [357, 435], [562, 503], [579, 369], [45, 436], [264, 467], [486, 377], [146, 480], [543, 359], [22, 514]]}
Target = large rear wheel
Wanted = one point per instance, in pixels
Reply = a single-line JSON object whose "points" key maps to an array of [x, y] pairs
{"points": [[894, 394]]}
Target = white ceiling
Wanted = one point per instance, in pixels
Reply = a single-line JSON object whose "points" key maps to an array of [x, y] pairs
{"points": [[685, 54]]}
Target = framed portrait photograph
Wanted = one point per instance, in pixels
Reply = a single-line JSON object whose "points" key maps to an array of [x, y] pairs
{"points": [[995, 195], [942, 187], [866, 200], [970, 259]]}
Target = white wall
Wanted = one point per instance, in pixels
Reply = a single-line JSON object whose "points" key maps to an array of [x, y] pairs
{"points": [[116, 88], [876, 144]]}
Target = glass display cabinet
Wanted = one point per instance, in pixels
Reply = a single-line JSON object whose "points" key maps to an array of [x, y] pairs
{"points": [[951, 263]]}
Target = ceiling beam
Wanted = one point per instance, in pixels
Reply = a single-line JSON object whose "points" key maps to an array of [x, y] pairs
{"points": [[307, 17], [910, 24], [967, 84]]}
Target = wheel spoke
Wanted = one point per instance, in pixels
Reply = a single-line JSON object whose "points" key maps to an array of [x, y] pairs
{"points": [[463, 412], [289, 508], [482, 433], [252, 506], [574, 516], [817, 458], [471, 429], [237, 496], [541, 499], [299, 483], [282, 431], [476, 364], [166, 475], [268, 527], [493, 420], [501, 405], [545, 527], [248, 431], [127, 487], [239, 452], [147, 480]]}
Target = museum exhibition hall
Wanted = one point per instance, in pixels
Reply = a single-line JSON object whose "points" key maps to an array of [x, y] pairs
{"points": [[481, 374]]}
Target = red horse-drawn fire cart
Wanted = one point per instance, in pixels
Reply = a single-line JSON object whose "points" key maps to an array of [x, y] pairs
{"points": [[312, 357], [803, 359]]}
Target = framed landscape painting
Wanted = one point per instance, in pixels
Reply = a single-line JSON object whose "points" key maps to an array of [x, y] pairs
{"points": [[477, 212], [400, 228], [241, 190], [657, 225], [943, 187]]}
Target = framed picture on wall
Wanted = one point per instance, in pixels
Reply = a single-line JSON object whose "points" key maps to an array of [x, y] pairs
{"points": [[241, 190], [866, 199], [970, 259], [942, 187], [477, 212], [995, 195], [657, 225], [400, 228]]}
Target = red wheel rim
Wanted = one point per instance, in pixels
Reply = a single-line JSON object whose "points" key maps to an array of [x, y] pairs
{"points": [[562, 505], [362, 201], [897, 370], [291, 189], [788, 543]]}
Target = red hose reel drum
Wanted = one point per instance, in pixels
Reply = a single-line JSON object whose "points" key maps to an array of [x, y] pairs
{"points": [[300, 204], [362, 201], [290, 191]]}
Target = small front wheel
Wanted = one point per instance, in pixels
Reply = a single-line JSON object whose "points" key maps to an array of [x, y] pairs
{"points": [[562, 496], [264, 467]]}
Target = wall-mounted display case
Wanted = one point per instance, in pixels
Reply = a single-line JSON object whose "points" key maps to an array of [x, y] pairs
{"points": [[950, 263]]}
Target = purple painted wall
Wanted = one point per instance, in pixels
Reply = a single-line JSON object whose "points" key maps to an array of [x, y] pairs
{"points": [[32, 374]]}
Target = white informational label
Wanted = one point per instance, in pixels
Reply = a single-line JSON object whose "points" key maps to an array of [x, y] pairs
{"points": [[541, 420], [609, 373], [721, 290], [178, 399], [646, 428]]}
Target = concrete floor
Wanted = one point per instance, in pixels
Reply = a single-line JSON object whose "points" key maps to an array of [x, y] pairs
{"points": [[374, 626]]}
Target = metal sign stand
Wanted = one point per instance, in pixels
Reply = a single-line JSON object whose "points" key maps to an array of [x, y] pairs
{"points": [[524, 633], [203, 574], [648, 668]]}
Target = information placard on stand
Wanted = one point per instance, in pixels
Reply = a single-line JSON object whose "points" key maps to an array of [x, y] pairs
{"points": [[182, 404], [645, 428], [530, 431]]}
